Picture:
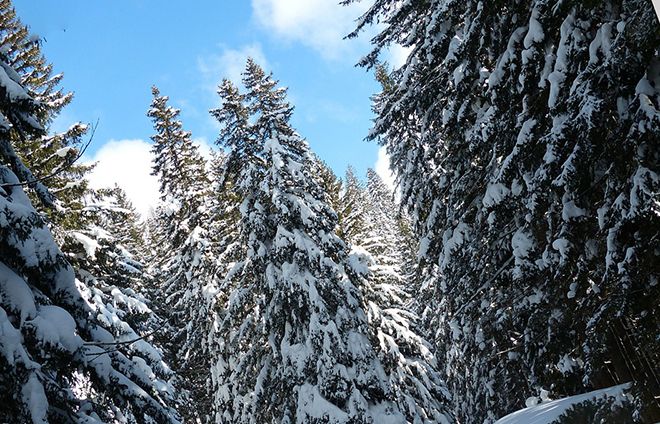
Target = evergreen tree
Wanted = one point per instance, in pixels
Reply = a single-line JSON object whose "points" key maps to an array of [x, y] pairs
{"points": [[180, 168], [385, 238], [524, 135], [50, 156], [78, 215], [330, 183], [59, 361], [184, 265], [407, 358], [351, 208], [227, 201], [122, 220], [294, 337], [105, 261]]}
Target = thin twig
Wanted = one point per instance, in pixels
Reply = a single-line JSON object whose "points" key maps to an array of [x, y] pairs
{"points": [[127, 342]]}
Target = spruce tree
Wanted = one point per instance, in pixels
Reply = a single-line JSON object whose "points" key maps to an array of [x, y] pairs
{"points": [[524, 135], [331, 184], [351, 212], [122, 220], [183, 264], [385, 237], [294, 336], [407, 357], [60, 361], [50, 156]]}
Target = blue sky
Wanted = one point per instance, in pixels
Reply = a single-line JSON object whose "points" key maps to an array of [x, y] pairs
{"points": [[112, 52]]}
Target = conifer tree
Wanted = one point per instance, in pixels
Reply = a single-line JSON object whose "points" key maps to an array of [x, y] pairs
{"points": [[183, 266], [407, 357], [59, 361], [224, 215], [226, 199], [524, 135], [50, 156], [384, 237], [352, 220], [107, 259], [295, 346], [331, 184], [122, 220]]}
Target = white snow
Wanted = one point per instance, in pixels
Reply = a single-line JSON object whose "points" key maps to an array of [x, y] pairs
{"points": [[11, 340], [14, 90], [558, 75], [521, 244], [496, 77], [15, 294], [64, 151], [452, 240], [601, 43], [548, 412], [90, 245], [35, 397], [571, 210], [535, 31], [566, 364], [562, 245], [495, 193], [311, 404], [55, 326]]}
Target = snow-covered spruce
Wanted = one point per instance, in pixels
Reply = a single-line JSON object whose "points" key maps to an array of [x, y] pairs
{"points": [[378, 251], [352, 204], [525, 139], [295, 337], [45, 154], [104, 260], [58, 361], [182, 259]]}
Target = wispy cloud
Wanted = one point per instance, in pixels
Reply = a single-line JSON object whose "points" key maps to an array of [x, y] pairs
{"points": [[319, 24], [127, 163], [204, 147], [382, 168], [228, 63]]}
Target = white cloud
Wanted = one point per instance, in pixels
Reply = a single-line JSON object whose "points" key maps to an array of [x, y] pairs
{"points": [[382, 168], [319, 24], [397, 55], [127, 163], [204, 147], [230, 63]]}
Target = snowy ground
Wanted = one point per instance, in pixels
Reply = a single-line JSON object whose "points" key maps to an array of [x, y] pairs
{"points": [[548, 412]]}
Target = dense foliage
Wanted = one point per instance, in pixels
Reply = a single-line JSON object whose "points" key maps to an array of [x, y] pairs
{"points": [[525, 139], [515, 261], [68, 352]]}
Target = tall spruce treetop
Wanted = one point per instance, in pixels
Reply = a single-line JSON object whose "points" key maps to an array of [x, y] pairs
{"points": [[294, 337], [177, 163], [525, 136], [183, 262]]}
